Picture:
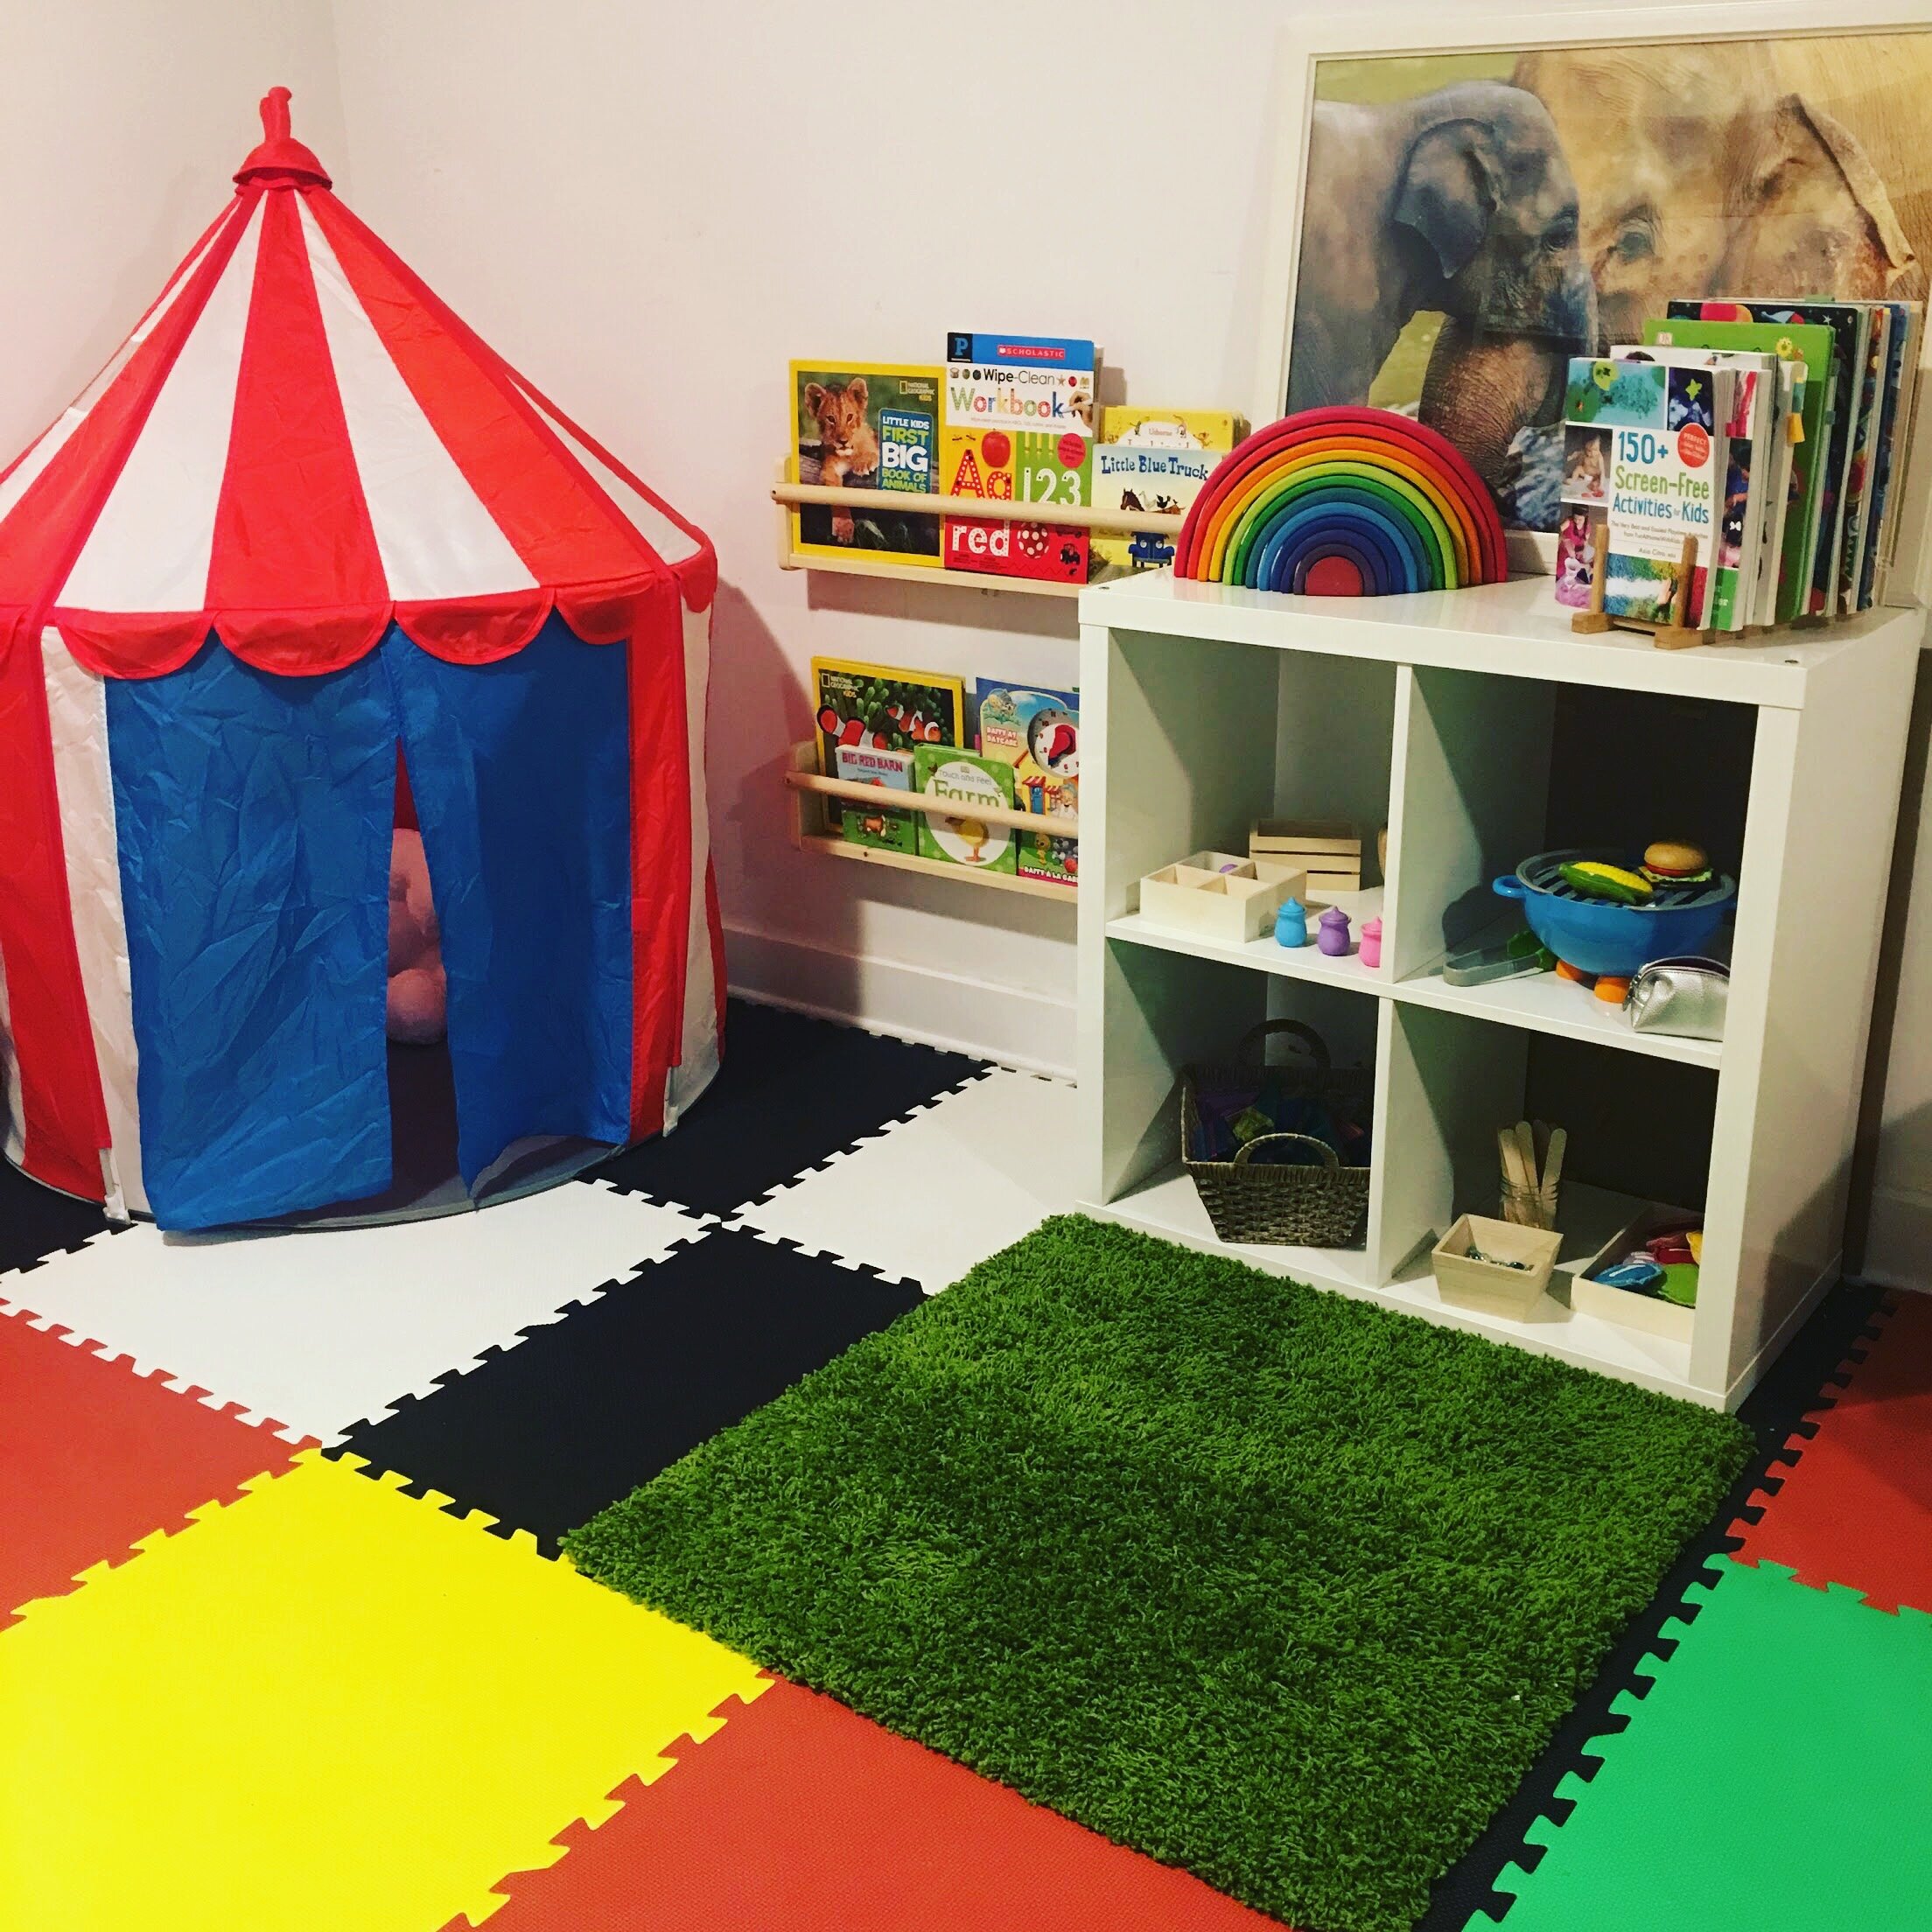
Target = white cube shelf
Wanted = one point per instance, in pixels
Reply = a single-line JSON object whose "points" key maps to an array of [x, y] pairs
{"points": [[1205, 707]]}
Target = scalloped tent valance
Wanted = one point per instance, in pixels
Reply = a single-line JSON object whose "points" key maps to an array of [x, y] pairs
{"points": [[298, 445]]}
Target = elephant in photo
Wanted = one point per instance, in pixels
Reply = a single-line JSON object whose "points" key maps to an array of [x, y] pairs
{"points": [[1699, 171], [1459, 202]]}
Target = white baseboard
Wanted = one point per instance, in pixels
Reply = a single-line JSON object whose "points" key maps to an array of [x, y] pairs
{"points": [[1898, 1242], [1033, 1031]]}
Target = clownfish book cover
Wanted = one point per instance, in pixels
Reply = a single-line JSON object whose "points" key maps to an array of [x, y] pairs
{"points": [[886, 715], [1646, 442], [1037, 733], [1017, 427], [873, 426]]}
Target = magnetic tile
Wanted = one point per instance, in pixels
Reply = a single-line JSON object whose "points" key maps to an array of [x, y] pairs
{"points": [[802, 1816], [36, 1221], [581, 1412], [93, 1456], [936, 1194], [325, 1705], [322, 1329], [1856, 1507], [791, 1091], [1773, 1779]]}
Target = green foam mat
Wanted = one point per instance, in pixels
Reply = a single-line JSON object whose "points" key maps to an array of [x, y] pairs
{"points": [[1777, 1777], [1273, 1585]]}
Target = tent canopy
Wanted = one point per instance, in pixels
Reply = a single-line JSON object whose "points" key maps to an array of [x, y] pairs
{"points": [[302, 518]]}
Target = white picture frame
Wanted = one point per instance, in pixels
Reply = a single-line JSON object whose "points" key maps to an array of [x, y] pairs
{"points": [[1414, 31]]}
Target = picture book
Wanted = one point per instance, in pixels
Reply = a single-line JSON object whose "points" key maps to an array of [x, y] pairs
{"points": [[1864, 450], [1740, 551], [1644, 447], [1811, 344], [1846, 331], [871, 427], [881, 708], [1154, 460], [1037, 733], [1017, 427], [1894, 428], [970, 781], [876, 824]]}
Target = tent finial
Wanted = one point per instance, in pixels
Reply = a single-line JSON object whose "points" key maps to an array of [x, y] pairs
{"points": [[281, 161]]}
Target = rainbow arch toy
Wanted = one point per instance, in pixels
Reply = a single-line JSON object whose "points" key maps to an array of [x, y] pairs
{"points": [[1344, 502]]}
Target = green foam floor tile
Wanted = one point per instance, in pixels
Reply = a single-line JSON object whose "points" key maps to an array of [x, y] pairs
{"points": [[1752, 1789]]}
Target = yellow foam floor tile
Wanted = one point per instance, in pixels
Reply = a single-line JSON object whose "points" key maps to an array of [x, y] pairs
{"points": [[325, 1705]]}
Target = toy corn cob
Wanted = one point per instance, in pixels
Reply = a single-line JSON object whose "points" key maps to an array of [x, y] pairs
{"points": [[1596, 880]]}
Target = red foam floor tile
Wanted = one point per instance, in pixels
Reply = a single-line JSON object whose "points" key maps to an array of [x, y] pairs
{"points": [[93, 1456], [1857, 1508], [802, 1816]]}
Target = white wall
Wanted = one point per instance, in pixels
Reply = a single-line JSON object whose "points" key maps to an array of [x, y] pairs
{"points": [[123, 121], [650, 209]]}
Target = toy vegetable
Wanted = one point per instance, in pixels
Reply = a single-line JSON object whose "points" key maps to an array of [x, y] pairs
{"points": [[1594, 879]]}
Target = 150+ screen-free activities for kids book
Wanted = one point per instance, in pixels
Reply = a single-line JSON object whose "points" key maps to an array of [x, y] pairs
{"points": [[874, 427], [1644, 446]]}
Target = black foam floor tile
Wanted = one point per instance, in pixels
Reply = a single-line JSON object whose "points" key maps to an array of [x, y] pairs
{"points": [[35, 1222], [544, 1434], [792, 1091]]}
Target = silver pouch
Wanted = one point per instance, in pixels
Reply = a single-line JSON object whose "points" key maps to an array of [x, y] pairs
{"points": [[1685, 996]]}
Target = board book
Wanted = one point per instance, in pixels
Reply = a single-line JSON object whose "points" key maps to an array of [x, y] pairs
{"points": [[969, 779], [1644, 448], [1806, 517], [1154, 460], [1036, 734], [871, 426], [1017, 426], [878, 824], [882, 708]]}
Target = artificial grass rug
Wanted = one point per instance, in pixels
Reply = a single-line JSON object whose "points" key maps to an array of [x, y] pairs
{"points": [[1275, 1586]]}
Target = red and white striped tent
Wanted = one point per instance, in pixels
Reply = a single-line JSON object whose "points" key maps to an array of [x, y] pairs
{"points": [[306, 527]]}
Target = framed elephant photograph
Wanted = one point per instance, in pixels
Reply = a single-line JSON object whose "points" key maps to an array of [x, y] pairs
{"points": [[1453, 221]]}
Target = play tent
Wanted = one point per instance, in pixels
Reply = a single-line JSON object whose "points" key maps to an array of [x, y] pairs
{"points": [[305, 548]]}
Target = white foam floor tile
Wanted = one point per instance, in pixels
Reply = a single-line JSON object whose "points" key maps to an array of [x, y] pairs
{"points": [[933, 1195], [321, 1329]]}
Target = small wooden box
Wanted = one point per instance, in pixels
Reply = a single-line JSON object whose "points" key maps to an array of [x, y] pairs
{"points": [[1488, 1286], [1328, 850], [1219, 895]]}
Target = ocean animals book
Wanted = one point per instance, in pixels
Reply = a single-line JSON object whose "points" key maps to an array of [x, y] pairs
{"points": [[1017, 427], [1800, 576], [1740, 552], [969, 781], [873, 426], [1644, 447], [1848, 331], [1037, 733], [877, 824], [882, 708], [1154, 460]]}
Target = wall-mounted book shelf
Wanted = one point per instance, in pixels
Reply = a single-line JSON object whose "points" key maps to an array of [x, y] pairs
{"points": [[788, 496], [811, 830]]}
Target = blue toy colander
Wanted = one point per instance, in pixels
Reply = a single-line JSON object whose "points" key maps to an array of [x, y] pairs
{"points": [[1598, 935]]}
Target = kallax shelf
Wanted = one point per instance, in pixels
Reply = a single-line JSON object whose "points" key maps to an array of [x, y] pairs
{"points": [[1444, 716]]}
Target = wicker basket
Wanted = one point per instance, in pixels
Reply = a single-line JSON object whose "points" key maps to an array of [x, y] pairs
{"points": [[1305, 1206]]}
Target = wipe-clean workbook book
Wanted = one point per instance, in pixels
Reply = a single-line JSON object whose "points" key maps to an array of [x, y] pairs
{"points": [[1651, 438], [1158, 460], [1740, 595], [1811, 343], [870, 426], [1017, 427]]}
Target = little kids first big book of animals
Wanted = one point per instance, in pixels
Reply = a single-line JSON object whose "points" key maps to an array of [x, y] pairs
{"points": [[874, 427], [1644, 443]]}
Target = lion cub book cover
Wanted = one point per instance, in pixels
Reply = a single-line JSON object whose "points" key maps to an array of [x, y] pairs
{"points": [[874, 427], [1645, 443], [1017, 427]]}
